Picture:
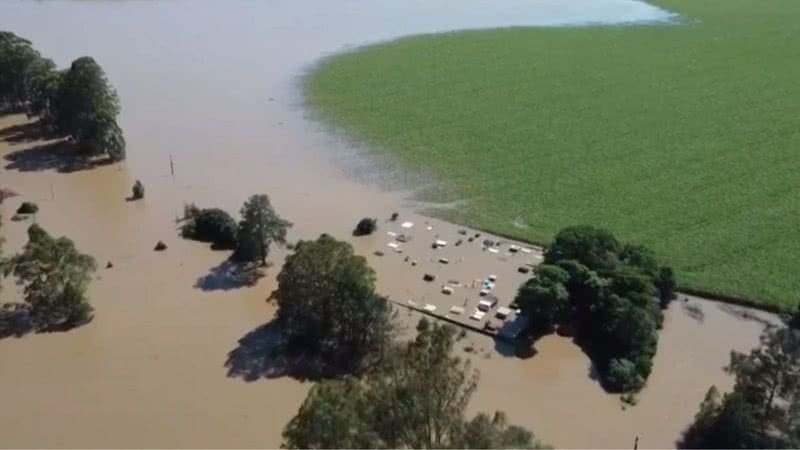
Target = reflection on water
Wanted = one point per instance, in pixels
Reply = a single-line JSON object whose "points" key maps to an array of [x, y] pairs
{"points": [[214, 85]]}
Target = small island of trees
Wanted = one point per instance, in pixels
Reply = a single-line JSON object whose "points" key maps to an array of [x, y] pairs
{"points": [[77, 102], [608, 294]]}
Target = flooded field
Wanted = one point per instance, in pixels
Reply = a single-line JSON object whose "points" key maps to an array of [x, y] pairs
{"points": [[214, 85]]}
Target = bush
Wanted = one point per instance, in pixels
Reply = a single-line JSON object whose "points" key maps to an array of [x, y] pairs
{"points": [[212, 225], [138, 190], [623, 376], [28, 208], [366, 226]]}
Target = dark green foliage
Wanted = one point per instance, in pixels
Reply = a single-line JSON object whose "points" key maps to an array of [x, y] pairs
{"points": [[137, 192], [365, 227], [328, 306], [78, 102], [54, 276], [28, 208], [545, 299], [86, 108], [212, 225], [605, 291], [762, 411], [416, 398], [259, 228], [20, 64], [595, 248], [666, 284]]}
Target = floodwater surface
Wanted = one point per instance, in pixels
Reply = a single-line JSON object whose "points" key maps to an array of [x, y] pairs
{"points": [[170, 360]]}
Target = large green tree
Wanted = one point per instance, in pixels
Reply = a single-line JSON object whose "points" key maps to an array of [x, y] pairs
{"points": [[327, 305], [54, 276], [20, 65], [86, 108], [416, 398], [259, 228]]}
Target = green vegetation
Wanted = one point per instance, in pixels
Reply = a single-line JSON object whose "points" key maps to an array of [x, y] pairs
{"points": [[763, 411], [259, 228], [211, 225], [606, 292], [416, 398], [28, 208], [328, 307], [54, 276], [683, 137], [78, 102]]}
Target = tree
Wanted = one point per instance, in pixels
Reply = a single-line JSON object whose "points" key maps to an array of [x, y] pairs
{"points": [[544, 299], [495, 432], [414, 399], [769, 375], [55, 277], [665, 283], [762, 411], [19, 64], [327, 305], [595, 248], [607, 293], [212, 225], [86, 108], [334, 415], [259, 228]]}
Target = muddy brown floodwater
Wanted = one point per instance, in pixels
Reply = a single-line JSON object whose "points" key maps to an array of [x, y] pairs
{"points": [[214, 85]]}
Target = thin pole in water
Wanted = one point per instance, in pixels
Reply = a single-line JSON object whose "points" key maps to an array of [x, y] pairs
{"points": [[636, 443], [171, 166]]}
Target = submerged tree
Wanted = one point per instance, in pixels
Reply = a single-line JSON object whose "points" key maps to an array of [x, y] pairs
{"points": [[416, 398], [328, 306], [259, 228], [762, 411], [55, 276]]}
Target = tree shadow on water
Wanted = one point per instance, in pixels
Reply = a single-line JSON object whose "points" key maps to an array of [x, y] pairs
{"points": [[263, 353], [26, 132], [229, 275], [16, 321], [62, 156]]}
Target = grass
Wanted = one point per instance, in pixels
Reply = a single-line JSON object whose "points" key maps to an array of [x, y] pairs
{"points": [[683, 137]]}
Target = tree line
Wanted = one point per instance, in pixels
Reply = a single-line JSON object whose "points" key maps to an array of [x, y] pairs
{"points": [[609, 295], [77, 102]]}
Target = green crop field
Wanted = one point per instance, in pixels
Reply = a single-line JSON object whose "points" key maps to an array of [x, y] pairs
{"points": [[684, 137]]}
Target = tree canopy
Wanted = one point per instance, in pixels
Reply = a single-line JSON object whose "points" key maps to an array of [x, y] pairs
{"points": [[763, 411], [54, 276], [78, 102], [609, 293], [327, 305], [211, 225], [259, 228], [416, 398]]}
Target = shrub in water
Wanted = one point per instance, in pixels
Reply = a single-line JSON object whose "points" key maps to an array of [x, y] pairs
{"points": [[138, 190], [366, 226], [212, 225], [28, 208]]}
